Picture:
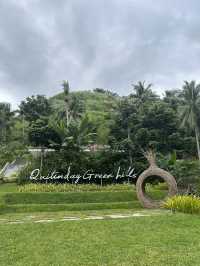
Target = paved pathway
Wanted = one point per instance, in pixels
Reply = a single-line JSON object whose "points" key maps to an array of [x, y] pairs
{"points": [[35, 219]]}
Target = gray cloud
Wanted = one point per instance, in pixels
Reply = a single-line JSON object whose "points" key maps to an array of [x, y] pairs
{"points": [[97, 43]]}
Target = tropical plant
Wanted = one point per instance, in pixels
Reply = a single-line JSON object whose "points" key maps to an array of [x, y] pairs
{"points": [[187, 204], [34, 107], [190, 109], [42, 135], [142, 93], [81, 132]]}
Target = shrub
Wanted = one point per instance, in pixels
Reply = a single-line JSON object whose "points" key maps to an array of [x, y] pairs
{"points": [[186, 172], [24, 174], [186, 204], [80, 162], [12, 151], [161, 186]]}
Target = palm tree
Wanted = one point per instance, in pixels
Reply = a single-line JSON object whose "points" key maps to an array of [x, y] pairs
{"points": [[81, 132], [142, 93], [191, 110], [76, 107], [59, 126], [78, 133]]}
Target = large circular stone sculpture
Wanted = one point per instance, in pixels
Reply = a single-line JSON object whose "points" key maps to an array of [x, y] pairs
{"points": [[154, 170]]}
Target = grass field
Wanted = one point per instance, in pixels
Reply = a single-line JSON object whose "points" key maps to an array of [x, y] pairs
{"points": [[33, 232], [158, 240], [110, 198]]}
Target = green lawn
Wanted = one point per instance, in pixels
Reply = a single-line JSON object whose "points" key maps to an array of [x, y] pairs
{"points": [[8, 187], [17, 202], [158, 240], [68, 197], [162, 238]]}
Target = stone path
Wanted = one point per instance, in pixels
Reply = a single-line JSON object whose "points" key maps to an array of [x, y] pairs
{"points": [[35, 219]]}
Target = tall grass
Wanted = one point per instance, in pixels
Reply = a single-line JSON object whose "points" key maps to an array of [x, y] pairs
{"points": [[186, 204]]}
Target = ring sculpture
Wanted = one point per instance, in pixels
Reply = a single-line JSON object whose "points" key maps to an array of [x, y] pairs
{"points": [[154, 170]]}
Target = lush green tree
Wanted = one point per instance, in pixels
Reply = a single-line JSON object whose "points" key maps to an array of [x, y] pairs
{"points": [[19, 130], [70, 121], [172, 97], [78, 133], [35, 107], [11, 151], [126, 118], [41, 134], [142, 93], [60, 127], [81, 132], [103, 132], [155, 125], [156, 128], [5, 121], [126, 122], [76, 107], [191, 109]]}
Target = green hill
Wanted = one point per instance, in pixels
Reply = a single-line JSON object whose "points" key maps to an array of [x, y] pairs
{"points": [[100, 106], [93, 101]]}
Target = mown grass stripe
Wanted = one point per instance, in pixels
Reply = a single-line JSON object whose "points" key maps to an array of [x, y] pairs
{"points": [[68, 207], [69, 197]]}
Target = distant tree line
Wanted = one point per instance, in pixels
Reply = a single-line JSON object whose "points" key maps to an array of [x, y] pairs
{"points": [[128, 125]]}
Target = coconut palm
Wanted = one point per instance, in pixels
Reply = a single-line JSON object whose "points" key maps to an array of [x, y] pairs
{"points": [[142, 93], [79, 132], [191, 109]]}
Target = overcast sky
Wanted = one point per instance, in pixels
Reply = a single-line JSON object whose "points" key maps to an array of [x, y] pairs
{"points": [[96, 43]]}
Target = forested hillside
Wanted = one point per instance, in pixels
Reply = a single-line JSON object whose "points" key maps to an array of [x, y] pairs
{"points": [[98, 105], [116, 130]]}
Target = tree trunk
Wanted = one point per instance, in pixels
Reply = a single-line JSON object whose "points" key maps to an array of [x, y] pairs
{"points": [[23, 129], [197, 141], [129, 152], [67, 114], [128, 133]]}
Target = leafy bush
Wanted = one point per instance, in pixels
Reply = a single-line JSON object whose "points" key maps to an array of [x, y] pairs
{"points": [[73, 188], [24, 174], [185, 171], [161, 186], [12, 151], [186, 204], [79, 162]]}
